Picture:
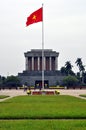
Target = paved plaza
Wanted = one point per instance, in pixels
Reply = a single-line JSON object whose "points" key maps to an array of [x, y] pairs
{"points": [[72, 92]]}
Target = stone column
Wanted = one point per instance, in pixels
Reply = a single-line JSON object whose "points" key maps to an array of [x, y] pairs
{"points": [[26, 63], [56, 63], [43, 63], [38, 63], [32, 63], [50, 64]]}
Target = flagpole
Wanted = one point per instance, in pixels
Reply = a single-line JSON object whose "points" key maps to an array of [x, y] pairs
{"points": [[42, 50]]}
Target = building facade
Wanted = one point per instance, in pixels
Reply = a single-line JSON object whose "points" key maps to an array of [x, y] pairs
{"points": [[35, 62]]}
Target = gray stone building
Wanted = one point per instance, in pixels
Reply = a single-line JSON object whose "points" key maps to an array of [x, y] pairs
{"points": [[32, 75]]}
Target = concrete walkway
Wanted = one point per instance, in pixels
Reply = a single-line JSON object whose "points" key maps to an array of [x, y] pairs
{"points": [[72, 92], [11, 93]]}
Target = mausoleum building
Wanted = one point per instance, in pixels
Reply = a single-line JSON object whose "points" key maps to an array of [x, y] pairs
{"points": [[32, 75]]}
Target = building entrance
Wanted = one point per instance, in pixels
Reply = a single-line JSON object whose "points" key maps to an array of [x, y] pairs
{"points": [[38, 84]]}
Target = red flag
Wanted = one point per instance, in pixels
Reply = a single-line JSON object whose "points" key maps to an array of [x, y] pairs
{"points": [[35, 17]]}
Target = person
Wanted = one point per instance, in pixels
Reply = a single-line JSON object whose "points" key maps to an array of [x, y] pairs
{"points": [[25, 87]]}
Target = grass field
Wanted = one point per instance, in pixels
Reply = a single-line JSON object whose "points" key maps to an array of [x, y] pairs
{"points": [[84, 95], [3, 96], [43, 125], [43, 107], [43, 113]]}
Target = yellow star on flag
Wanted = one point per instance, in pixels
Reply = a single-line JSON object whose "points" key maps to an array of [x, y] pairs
{"points": [[34, 17]]}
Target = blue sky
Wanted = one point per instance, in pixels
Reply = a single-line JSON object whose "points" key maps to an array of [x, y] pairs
{"points": [[64, 32]]}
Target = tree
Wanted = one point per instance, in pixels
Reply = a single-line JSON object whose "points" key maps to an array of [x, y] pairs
{"points": [[12, 81], [68, 67], [79, 63], [2, 82], [84, 77], [70, 81], [81, 68], [63, 70]]}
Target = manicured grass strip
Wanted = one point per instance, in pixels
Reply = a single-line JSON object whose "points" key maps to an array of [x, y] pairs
{"points": [[42, 124], [43, 107], [84, 95], [3, 96]]}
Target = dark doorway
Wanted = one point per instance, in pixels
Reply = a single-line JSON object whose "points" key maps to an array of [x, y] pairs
{"points": [[38, 84]]}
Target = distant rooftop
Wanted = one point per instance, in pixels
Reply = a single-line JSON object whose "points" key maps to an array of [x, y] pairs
{"points": [[38, 50]]}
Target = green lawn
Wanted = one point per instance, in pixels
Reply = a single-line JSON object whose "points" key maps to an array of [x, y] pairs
{"points": [[43, 107], [84, 95], [3, 96], [43, 125], [43, 113]]}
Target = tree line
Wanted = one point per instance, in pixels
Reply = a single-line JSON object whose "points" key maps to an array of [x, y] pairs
{"points": [[9, 82], [73, 78]]}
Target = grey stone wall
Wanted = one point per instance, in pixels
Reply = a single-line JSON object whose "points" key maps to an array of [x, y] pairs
{"points": [[31, 76]]}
